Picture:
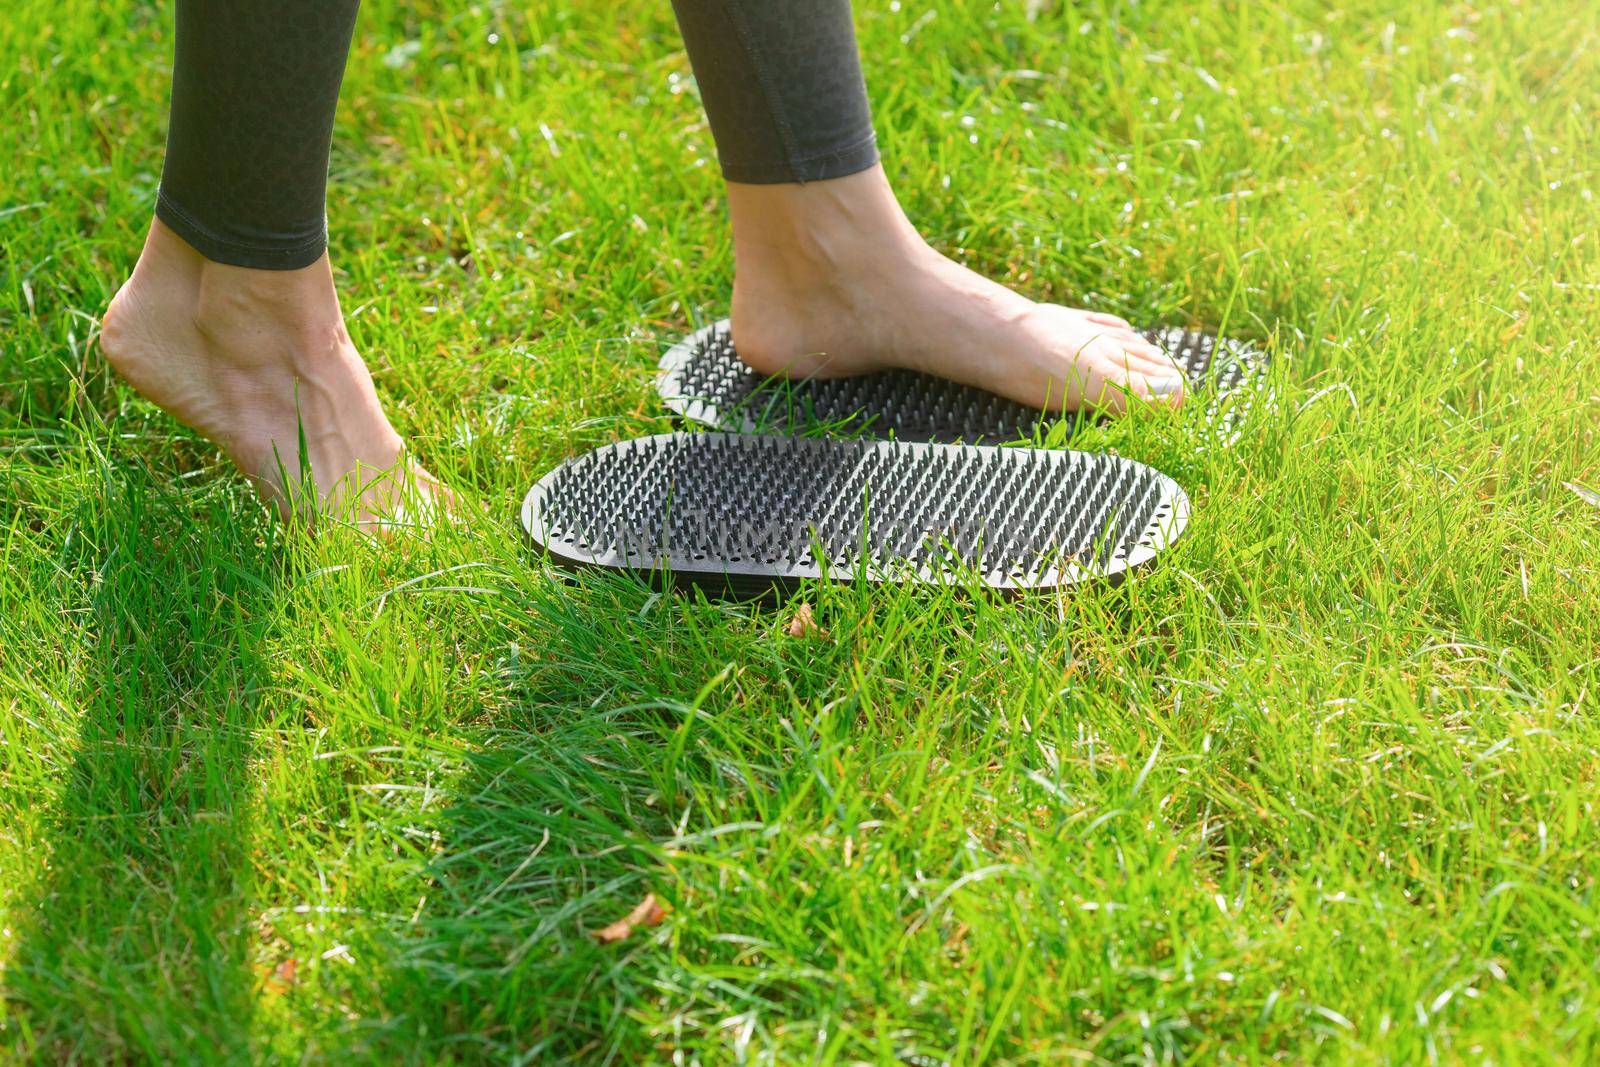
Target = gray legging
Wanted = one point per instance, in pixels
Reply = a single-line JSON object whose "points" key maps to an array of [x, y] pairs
{"points": [[255, 83]]}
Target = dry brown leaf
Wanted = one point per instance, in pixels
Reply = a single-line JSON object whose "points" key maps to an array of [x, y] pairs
{"points": [[648, 912], [278, 980], [804, 624]]}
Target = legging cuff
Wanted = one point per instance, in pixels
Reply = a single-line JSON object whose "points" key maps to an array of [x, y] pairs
{"points": [[290, 254], [852, 159]]}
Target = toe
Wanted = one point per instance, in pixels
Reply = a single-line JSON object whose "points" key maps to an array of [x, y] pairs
{"points": [[1158, 387], [1130, 340], [1166, 390], [1160, 365], [1102, 318], [1153, 357], [1110, 373], [405, 497], [1150, 375], [1144, 356]]}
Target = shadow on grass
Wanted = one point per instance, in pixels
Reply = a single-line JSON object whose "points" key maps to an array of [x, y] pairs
{"points": [[542, 836], [135, 944], [551, 827], [638, 729]]}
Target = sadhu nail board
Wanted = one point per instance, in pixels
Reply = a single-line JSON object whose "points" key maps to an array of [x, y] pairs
{"points": [[744, 512], [702, 379]]}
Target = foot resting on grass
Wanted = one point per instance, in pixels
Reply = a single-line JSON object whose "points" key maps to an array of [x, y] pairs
{"points": [[832, 280], [257, 360]]}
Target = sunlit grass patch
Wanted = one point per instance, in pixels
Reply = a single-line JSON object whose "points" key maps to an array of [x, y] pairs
{"points": [[1319, 786]]}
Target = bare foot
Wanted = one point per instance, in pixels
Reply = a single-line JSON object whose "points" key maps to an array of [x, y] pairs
{"points": [[259, 361], [832, 280]]}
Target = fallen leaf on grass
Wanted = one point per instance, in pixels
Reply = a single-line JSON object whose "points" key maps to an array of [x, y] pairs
{"points": [[280, 979], [648, 912], [804, 624]]}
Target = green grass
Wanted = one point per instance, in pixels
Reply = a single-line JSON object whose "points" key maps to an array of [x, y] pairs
{"points": [[1321, 786]]}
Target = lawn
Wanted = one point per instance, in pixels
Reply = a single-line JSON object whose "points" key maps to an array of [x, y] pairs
{"points": [[1320, 785]]}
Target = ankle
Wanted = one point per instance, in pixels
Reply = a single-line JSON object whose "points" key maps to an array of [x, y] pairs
{"points": [[289, 297], [294, 313], [820, 231], [297, 310]]}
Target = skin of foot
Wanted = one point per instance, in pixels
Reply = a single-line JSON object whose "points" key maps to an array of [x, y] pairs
{"points": [[832, 280], [258, 361]]}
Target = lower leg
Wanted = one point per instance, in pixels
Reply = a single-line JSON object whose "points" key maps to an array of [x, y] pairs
{"points": [[230, 320], [830, 277]]}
